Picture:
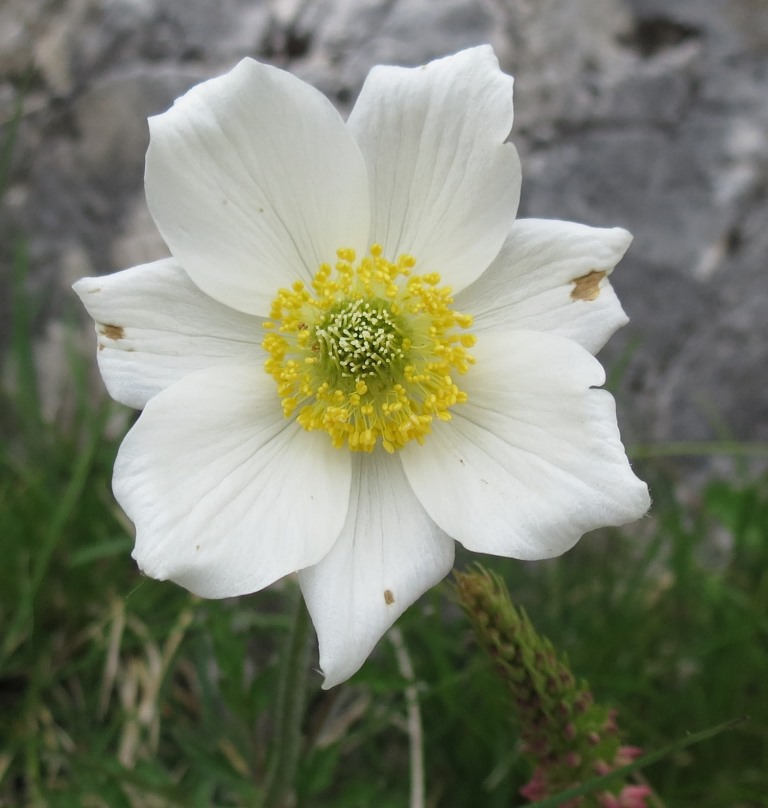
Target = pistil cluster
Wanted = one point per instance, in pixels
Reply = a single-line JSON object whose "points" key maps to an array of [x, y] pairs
{"points": [[369, 353], [363, 338]]}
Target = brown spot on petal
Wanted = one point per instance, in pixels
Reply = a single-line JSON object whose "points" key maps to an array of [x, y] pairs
{"points": [[113, 331], [587, 287], [389, 598]]}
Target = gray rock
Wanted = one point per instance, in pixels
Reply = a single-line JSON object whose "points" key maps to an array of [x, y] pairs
{"points": [[641, 113]]}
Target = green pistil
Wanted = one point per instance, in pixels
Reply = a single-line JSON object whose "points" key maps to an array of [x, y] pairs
{"points": [[361, 340]]}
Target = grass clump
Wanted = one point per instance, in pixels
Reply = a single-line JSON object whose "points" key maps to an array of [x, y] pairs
{"points": [[120, 691]]}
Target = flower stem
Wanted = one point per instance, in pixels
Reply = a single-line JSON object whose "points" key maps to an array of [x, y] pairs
{"points": [[289, 712], [415, 730]]}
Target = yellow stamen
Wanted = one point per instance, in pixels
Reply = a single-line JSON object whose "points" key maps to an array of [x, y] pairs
{"points": [[369, 353]]}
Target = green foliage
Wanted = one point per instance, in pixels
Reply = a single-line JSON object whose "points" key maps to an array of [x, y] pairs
{"points": [[120, 691]]}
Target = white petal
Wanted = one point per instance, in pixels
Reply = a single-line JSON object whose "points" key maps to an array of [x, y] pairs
{"points": [[227, 496], [388, 554], [444, 186], [253, 181], [552, 276], [154, 326], [533, 460]]}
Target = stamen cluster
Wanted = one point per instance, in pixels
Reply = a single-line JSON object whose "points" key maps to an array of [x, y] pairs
{"points": [[368, 354]]}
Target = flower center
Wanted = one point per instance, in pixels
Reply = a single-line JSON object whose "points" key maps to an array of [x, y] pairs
{"points": [[361, 339], [370, 353]]}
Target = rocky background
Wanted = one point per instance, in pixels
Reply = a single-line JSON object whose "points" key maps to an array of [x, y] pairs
{"points": [[649, 114]]}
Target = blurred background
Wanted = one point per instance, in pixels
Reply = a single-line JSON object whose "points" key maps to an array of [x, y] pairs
{"points": [[647, 114], [640, 113]]}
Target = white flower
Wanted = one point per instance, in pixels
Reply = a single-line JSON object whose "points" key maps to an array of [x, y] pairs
{"points": [[426, 373]]}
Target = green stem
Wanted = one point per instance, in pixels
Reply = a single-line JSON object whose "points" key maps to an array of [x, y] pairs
{"points": [[289, 712], [698, 449]]}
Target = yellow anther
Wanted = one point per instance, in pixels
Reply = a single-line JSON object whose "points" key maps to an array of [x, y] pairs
{"points": [[370, 354]]}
